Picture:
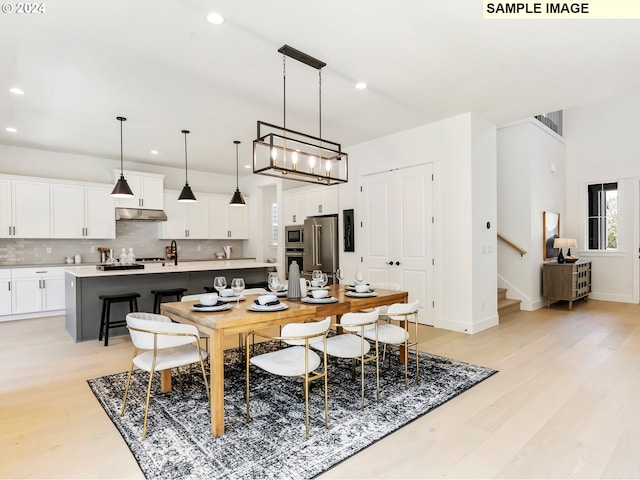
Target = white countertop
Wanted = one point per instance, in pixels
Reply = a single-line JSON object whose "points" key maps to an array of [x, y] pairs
{"points": [[92, 271]]}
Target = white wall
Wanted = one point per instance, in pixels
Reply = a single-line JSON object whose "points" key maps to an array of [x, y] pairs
{"points": [[462, 149], [531, 180], [602, 146]]}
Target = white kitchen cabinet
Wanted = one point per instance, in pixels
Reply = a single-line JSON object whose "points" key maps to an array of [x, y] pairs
{"points": [[37, 289], [147, 188], [25, 210], [295, 204], [185, 220], [227, 222], [321, 201], [82, 212], [5, 291]]}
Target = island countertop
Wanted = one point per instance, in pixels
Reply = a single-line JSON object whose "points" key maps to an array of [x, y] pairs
{"points": [[92, 271]]}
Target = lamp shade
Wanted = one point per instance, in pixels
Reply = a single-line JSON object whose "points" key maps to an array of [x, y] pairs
{"points": [[237, 199], [560, 242], [186, 195], [121, 189], [572, 243]]}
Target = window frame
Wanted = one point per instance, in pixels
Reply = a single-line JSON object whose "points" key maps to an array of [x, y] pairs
{"points": [[603, 251]]}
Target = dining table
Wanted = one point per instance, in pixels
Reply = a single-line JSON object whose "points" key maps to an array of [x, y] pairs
{"points": [[240, 320]]}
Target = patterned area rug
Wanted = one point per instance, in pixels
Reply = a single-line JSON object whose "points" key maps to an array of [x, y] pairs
{"points": [[179, 444]]}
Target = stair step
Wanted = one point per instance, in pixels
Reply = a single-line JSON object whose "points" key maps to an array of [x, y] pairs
{"points": [[507, 306], [502, 294]]}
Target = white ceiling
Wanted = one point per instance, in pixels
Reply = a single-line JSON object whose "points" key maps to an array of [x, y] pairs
{"points": [[164, 67]]}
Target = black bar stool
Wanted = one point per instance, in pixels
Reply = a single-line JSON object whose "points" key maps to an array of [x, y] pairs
{"points": [[159, 295], [105, 318]]}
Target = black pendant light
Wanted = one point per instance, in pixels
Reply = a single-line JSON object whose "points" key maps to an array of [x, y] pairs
{"points": [[237, 199], [121, 188], [186, 195]]}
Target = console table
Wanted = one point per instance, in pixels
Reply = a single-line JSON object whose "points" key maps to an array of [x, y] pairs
{"points": [[566, 281]]}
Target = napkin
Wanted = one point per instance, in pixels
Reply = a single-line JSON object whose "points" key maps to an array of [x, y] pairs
{"points": [[227, 292], [217, 304], [267, 300]]}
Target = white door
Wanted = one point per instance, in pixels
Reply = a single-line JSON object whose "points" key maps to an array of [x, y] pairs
{"points": [[176, 225], [67, 208], [397, 232], [99, 210], [153, 193], [238, 222]]}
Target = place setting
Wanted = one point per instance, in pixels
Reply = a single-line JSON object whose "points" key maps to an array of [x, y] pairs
{"points": [[210, 302], [360, 289], [267, 303], [229, 295], [319, 296], [276, 287]]}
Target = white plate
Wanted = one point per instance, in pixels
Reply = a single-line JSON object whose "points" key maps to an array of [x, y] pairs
{"points": [[361, 295], [267, 308], [318, 288], [282, 293], [210, 308], [353, 287], [230, 299], [319, 300]]}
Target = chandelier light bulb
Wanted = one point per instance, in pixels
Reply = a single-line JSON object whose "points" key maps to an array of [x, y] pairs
{"points": [[274, 154]]}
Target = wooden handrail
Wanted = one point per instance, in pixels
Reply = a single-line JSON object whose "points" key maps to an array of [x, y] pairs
{"points": [[521, 251]]}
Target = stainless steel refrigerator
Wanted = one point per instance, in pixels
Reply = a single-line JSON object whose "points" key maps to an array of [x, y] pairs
{"points": [[321, 245]]}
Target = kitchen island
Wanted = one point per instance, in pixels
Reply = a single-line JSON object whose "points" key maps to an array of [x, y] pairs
{"points": [[84, 284]]}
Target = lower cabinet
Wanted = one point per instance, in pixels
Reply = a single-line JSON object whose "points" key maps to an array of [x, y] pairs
{"points": [[5, 292], [37, 290], [566, 281]]}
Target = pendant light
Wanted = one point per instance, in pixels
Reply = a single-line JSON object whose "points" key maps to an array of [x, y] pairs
{"points": [[186, 195], [121, 188], [237, 199]]}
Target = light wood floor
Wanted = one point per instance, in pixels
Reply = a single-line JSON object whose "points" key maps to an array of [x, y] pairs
{"points": [[565, 404]]}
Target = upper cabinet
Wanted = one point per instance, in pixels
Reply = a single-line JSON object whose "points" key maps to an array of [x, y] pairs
{"points": [[185, 220], [227, 222], [300, 204], [82, 211], [24, 209], [147, 188]]}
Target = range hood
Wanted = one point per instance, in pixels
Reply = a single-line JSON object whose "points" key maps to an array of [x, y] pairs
{"points": [[140, 214]]}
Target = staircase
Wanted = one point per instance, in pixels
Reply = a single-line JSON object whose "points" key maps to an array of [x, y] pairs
{"points": [[506, 305]]}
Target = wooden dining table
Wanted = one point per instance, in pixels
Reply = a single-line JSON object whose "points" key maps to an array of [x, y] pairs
{"points": [[241, 320]]}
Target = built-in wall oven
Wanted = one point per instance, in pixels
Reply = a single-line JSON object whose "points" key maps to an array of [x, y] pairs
{"points": [[290, 255]]}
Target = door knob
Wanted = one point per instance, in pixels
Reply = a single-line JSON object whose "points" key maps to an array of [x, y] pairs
{"points": [[397, 263], [390, 263]]}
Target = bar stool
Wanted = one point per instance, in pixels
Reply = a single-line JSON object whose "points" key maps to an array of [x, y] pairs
{"points": [[105, 318], [159, 295]]}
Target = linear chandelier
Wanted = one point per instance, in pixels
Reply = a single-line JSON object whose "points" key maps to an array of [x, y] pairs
{"points": [[288, 154]]}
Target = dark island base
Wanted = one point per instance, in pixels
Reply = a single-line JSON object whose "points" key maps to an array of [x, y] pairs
{"points": [[83, 307]]}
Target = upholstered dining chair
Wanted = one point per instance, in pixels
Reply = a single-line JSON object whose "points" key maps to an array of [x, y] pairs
{"points": [[164, 345], [355, 347], [391, 334], [385, 286], [296, 360]]}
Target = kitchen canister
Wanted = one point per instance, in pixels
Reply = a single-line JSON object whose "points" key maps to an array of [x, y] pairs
{"points": [[294, 281], [78, 258]]}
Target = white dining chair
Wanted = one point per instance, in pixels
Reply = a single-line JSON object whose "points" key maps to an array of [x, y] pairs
{"points": [[161, 344], [385, 286], [355, 347], [296, 360], [391, 334]]}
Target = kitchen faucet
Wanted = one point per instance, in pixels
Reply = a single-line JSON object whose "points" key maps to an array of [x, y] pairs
{"points": [[174, 251]]}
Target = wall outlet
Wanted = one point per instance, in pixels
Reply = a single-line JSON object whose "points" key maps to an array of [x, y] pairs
{"points": [[93, 249], [48, 249], [199, 248]]}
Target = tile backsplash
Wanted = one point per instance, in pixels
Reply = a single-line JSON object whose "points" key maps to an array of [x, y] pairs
{"points": [[141, 236]]}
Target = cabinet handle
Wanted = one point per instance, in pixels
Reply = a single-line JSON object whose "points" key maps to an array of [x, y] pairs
{"points": [[319, 208], [44, 285], [294, 219], [9, 285]]}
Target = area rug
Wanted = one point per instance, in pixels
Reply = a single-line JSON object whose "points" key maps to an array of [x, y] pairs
{"points": [[179, 444]]}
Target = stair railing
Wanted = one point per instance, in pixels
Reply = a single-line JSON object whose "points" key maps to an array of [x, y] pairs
{"points": [[520, 250]]}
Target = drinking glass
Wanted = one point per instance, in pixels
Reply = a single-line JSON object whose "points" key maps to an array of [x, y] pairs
{"points": [[273, 281], [340, 277], [220, 283], [237, 284], [324, 279], [359, 277]]}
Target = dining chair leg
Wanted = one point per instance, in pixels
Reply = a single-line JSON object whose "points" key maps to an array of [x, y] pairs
{"points": [[246, 352], [306, 403], [377, 374], [362, 373], [146, 405], [126, 388]]}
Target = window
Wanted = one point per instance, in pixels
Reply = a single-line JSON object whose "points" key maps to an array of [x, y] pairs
{"points": [[274, 224], [603, 216]]}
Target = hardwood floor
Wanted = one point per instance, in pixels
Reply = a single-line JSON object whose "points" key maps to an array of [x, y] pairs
{"points": [[563, 405]]}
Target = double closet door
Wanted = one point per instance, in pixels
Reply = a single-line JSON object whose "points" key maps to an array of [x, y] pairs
{"points": [[397, 232]]}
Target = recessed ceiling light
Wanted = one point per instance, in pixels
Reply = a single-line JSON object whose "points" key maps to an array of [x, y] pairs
{"points": [[215, 18], [361, 85], [155, 152], [11, 129], [17, 91]]}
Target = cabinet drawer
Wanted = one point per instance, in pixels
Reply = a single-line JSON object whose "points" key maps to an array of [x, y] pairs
{"points": [[37, 272]]}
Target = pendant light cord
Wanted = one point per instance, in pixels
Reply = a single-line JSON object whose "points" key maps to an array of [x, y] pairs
{"points": [[186, 180], [320, 103], [237, 142], [122, 119], [284, 93]]}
